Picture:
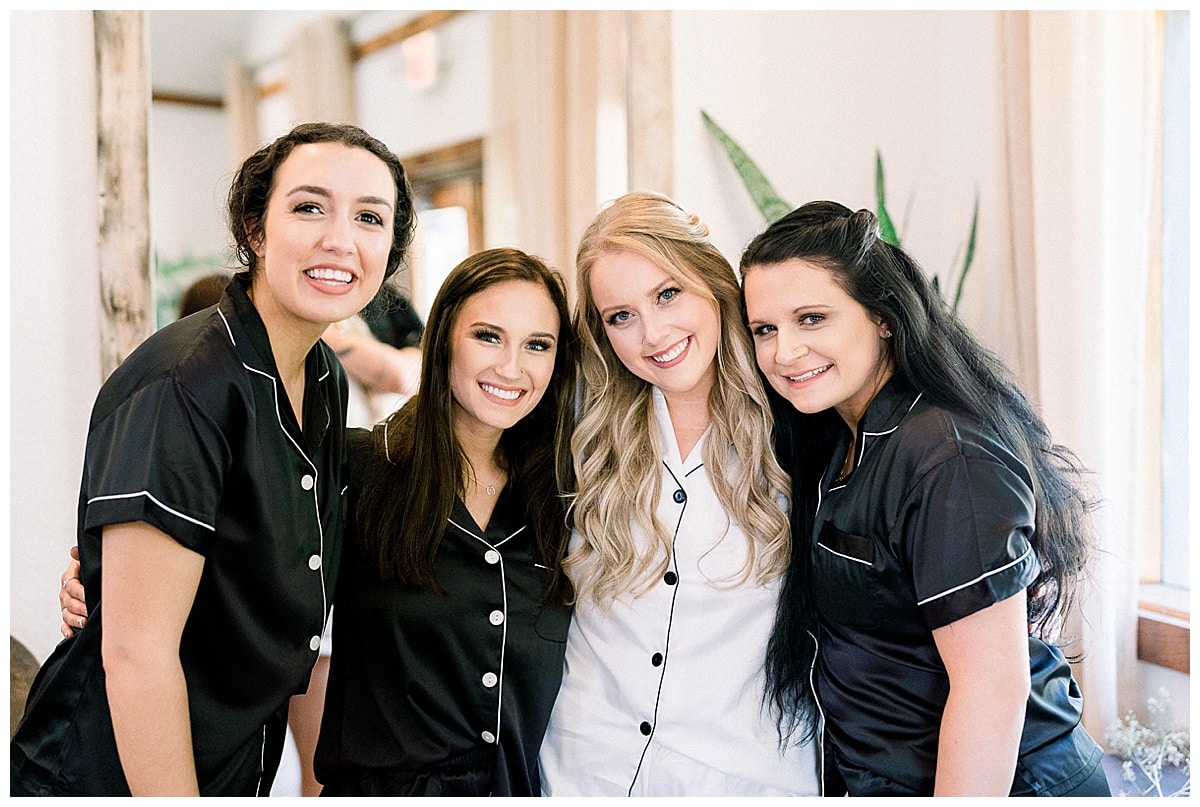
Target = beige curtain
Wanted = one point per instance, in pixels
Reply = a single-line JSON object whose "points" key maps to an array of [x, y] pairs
{"points": [[320, 73], [241, 108], [1081, 120], [556, 149]]}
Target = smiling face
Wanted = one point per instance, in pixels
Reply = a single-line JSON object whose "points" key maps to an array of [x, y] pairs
{"points": [[502, 352], [818, 347], [663, 334], [325, 238]]}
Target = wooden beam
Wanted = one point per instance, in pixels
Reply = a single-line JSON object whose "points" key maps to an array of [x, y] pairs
{"points": [[122, 138], [186, 99], [430, 19], [456, 158]]}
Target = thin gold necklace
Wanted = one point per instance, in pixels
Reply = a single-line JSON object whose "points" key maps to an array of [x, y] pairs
{"points": [[489, 489]]}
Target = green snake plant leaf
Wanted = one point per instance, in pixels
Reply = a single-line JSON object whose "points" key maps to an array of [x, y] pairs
{"points": [[760, 189], [887, 230], [773, 207], [970, 257]]}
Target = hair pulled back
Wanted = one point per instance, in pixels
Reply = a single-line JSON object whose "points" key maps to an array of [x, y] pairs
{"points": [[255, 180]]}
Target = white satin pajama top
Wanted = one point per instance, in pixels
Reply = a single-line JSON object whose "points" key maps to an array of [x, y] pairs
{"points": [[662, 694]]}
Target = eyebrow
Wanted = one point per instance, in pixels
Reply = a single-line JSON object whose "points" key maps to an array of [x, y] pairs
{"points": [[317, 190], [797, 311], [485, 324]]}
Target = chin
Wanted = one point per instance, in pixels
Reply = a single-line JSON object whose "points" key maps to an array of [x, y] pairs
{"points": [[806, 406]]}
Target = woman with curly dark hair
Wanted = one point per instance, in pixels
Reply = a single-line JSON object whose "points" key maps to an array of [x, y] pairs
{"points": [[213, 496]]}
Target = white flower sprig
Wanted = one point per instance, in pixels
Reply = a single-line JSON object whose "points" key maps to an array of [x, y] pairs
{"points": [[1152, 751]]}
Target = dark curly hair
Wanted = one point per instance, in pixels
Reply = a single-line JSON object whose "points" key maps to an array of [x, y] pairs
{"points": [[254, 181]]}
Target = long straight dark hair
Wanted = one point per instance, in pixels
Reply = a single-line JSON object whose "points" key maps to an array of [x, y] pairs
{"points": [[416, 465], [934, 353]]}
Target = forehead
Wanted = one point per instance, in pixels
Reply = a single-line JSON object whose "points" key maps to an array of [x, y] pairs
{"points": [[791, 282], [619, 275], [515, 304], [336, 166]]}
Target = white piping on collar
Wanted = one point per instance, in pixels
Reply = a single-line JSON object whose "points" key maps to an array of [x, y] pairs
{"points": [[863, 448], [485, 541], [228, 329]]}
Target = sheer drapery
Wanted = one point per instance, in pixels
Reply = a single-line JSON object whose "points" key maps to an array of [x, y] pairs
{"points": [[319, 82], [241, 108], [556, 148], [320, 73], [1081, 119]]}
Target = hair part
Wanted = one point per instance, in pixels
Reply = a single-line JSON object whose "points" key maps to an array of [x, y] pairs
{"points": [[254, 182], [416, 465], [617, 459]]}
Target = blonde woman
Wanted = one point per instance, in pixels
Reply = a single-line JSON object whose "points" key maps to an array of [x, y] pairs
{"points": [[680, 528]]}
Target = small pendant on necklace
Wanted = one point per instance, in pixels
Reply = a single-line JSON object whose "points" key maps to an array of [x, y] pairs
{"points": [[491, 490]]}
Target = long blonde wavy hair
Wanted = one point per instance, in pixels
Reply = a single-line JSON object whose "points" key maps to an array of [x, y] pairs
{"points": [[618, 464]]}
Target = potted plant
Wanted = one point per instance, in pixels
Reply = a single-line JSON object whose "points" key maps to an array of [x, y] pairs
{"points": [[772, 206]]}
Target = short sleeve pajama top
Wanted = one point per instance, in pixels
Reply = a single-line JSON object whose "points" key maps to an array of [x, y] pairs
{"points": [[933, 525], [193, 434], [663, 692], [443, 693]]}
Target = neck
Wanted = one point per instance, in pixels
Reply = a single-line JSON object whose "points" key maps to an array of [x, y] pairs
{"points": [[689, 420], [481, 446], [290, 339]]}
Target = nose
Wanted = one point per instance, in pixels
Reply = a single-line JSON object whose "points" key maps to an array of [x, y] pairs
{"points": [[508, 363], [338, 236], [654, 329], [789, 346]]}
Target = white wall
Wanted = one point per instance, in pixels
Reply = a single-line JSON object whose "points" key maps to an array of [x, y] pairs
{"points": [[456, 108], [191, 166], [811, 96], [54, 305]]}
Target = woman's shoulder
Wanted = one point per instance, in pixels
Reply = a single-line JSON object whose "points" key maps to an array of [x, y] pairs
{"points": [[932, 434], [192, 355]]}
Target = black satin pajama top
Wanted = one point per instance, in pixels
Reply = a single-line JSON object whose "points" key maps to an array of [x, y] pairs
{"points": [[193, 434], [932, 525], [443, 694]]}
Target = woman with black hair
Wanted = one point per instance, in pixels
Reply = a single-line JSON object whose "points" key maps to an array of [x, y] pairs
{"points": [[939, 531]]}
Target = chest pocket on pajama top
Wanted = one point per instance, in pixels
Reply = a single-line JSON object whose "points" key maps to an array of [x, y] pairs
{"points": [[844, 582]]}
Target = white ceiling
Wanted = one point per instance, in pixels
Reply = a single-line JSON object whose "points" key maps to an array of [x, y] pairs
{"points": [[189, 49]]}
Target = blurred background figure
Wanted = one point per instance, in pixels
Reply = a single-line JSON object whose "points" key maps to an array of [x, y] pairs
{"points": [[380, 349]]}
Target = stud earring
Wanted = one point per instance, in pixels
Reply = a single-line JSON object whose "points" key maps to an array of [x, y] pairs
{"points": [[887, 334]]}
